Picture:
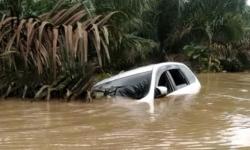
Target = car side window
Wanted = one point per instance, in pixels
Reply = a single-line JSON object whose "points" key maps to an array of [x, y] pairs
{"points": [[188, 73], [179, 78], [165, 81]]}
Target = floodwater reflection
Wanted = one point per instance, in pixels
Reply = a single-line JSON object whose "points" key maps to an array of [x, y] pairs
{"points": [[217, 118]]}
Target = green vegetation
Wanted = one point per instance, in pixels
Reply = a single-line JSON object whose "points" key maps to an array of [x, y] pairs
{"points": [[55, 51]]}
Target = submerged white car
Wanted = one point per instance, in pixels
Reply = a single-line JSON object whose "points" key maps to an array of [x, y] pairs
{"points": [[147, 83]]}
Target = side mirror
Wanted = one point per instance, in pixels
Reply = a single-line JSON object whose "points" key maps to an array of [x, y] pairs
{"points": [[161, 91]]}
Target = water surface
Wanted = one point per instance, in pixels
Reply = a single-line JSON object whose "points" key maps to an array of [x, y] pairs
{"points": [[217, 118]]}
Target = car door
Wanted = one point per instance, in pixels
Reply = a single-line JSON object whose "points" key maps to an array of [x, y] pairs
{"points": [[172, 77], [164, 79], [178, 78]]}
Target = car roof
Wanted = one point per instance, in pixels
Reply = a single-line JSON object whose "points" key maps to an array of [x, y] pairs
{"points": [[137, 71]]}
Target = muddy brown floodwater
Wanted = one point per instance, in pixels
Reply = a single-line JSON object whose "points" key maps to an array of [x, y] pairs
{"points": [[217, 118]]}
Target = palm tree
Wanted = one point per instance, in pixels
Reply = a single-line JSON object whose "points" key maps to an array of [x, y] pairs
{"points": [[199, 21], [134, 29], [52, 52]]}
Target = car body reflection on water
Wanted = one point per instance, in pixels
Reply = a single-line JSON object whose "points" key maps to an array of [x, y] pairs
{"points": [[149, 82]]}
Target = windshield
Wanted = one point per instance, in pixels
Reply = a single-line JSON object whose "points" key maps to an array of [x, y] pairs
{"points": [[135, 86]]}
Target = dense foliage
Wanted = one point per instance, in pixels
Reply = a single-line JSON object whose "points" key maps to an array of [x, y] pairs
{"points": [[52, 49], [52, 53]]}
